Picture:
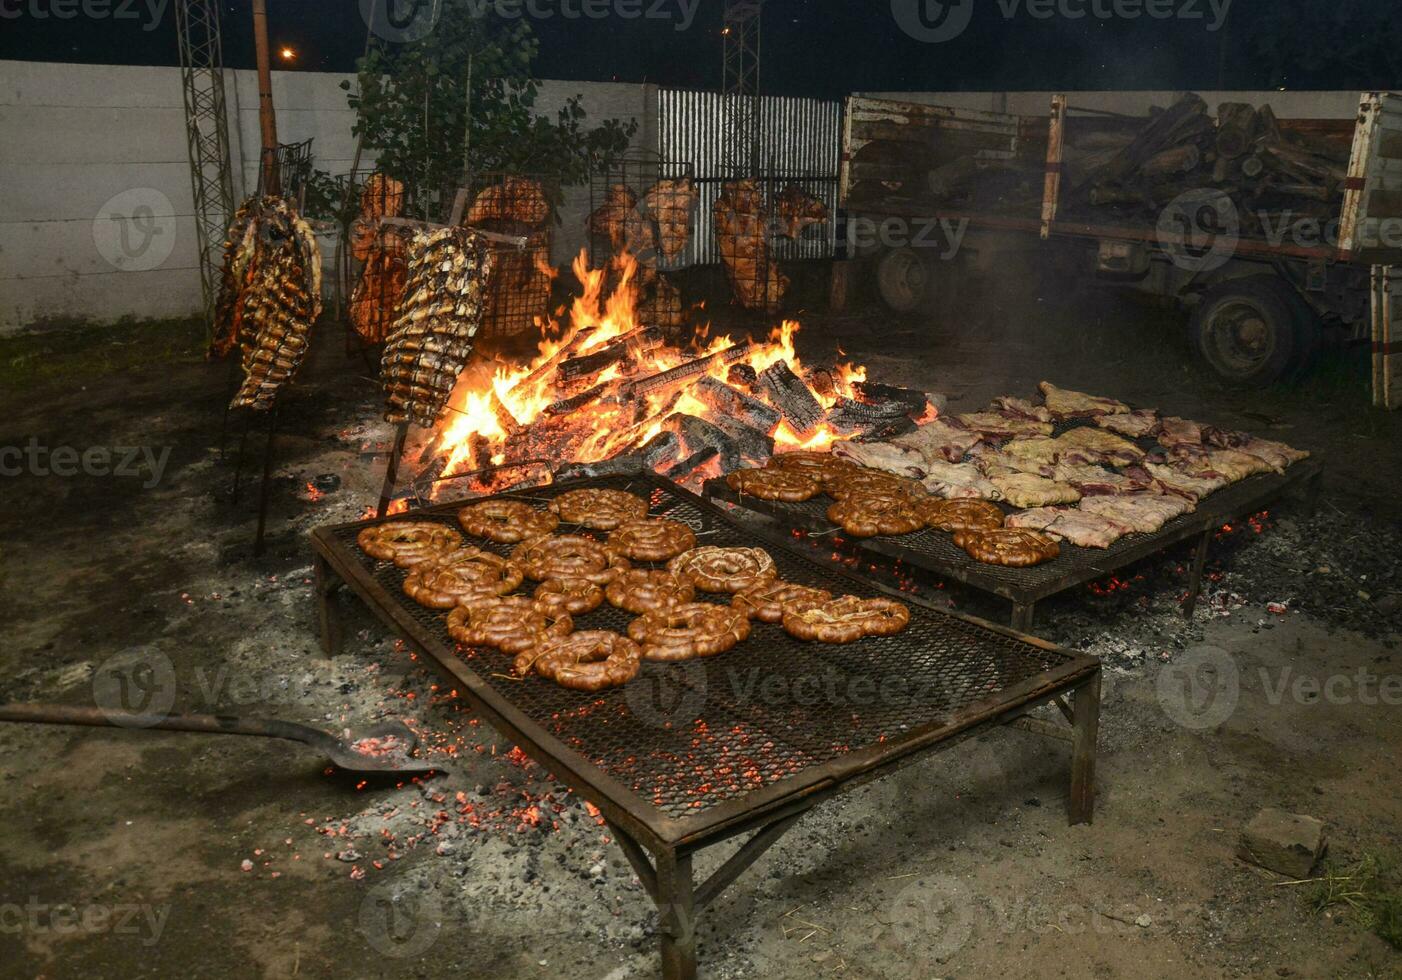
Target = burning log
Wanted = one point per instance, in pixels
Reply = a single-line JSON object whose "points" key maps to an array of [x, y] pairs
{"points": [[886, 431], [574, 403], [848, 416], [753, 445], [697, 434], [691, 464], [551, 363], [629, 464], [686, 372], [742, 376], [558, 438], [787, 392], [728, 402], [505, 419], [611, 353], [643, 413], [875, 393], [661, 450]]}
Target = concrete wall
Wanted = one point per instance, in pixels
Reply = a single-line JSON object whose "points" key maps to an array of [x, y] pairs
{"points": [[602, 100], [96, 213], [96, 219]]}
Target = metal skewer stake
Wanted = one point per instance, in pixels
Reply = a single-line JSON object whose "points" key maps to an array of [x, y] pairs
{"points": [[401, 436]]}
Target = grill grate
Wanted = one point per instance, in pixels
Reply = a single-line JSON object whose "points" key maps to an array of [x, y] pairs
{"points": [[692, 736], [935, 551]]}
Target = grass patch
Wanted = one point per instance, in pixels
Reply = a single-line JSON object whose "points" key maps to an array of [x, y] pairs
{"points": [[1368, 890], [77, 354]]}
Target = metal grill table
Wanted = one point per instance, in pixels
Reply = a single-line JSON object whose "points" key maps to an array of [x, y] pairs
{"points": [[689, 755], [934, 551]]}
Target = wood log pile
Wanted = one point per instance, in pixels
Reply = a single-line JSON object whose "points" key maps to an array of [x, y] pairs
{"points": [[1135, 168], [709, 413]]}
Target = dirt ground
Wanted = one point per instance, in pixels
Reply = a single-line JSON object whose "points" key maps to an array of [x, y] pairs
{"points": [[147, 854]]}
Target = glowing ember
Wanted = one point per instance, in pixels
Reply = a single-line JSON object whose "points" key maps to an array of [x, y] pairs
{"points": [[595, 410]]}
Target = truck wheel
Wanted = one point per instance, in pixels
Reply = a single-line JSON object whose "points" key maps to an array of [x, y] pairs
{"points": [[910, 280], [1249, 330]]}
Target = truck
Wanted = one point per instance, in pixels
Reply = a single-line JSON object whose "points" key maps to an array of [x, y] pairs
{"points": [[1240, 220]]}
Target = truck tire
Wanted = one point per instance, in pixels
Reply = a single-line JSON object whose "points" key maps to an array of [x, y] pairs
{"points": [[1250, 332], [910, 280]]}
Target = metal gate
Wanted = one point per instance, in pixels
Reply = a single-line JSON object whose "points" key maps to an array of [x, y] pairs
{"points": [[799, 144]]}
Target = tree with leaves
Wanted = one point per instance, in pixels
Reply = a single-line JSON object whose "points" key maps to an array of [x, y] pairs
{"points": [[461, 100]]}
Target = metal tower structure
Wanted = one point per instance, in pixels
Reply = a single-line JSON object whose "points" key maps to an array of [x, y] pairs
{"points": [[207, 132], [740, 85]]}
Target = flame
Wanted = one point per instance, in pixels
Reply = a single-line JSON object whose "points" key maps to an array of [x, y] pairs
{"points": [[482, 415]]}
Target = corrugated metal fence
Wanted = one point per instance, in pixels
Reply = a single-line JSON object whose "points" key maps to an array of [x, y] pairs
{"points": [[799, 139]]}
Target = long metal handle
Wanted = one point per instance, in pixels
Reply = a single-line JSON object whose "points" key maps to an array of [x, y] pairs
{"points": [[55, 714]]}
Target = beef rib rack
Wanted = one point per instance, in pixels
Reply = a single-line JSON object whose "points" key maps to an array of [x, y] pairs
{"points": [[441, 312], [274, 315]]}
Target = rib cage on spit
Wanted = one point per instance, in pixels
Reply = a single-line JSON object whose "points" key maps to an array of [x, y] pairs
{"points": [[381, 247], [440, 314], [283, 299], [743, 237], [518, 291], [239, 248], [659, 228], [670, 204]]}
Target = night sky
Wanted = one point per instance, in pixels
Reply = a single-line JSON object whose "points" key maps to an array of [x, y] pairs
{"points": [[824, 48]]}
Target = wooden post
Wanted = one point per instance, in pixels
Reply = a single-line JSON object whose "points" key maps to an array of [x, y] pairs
{"points": [[1056, 148], [1085, 708], [267, 118], [1387, 336], [327, 584], [840, 289], [1195, 578]]}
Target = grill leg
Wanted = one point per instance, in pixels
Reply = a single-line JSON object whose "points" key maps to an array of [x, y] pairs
{"points": [[676, 899], [327, 583], [1022, 616], [1195, 580], [1085, 708]]}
